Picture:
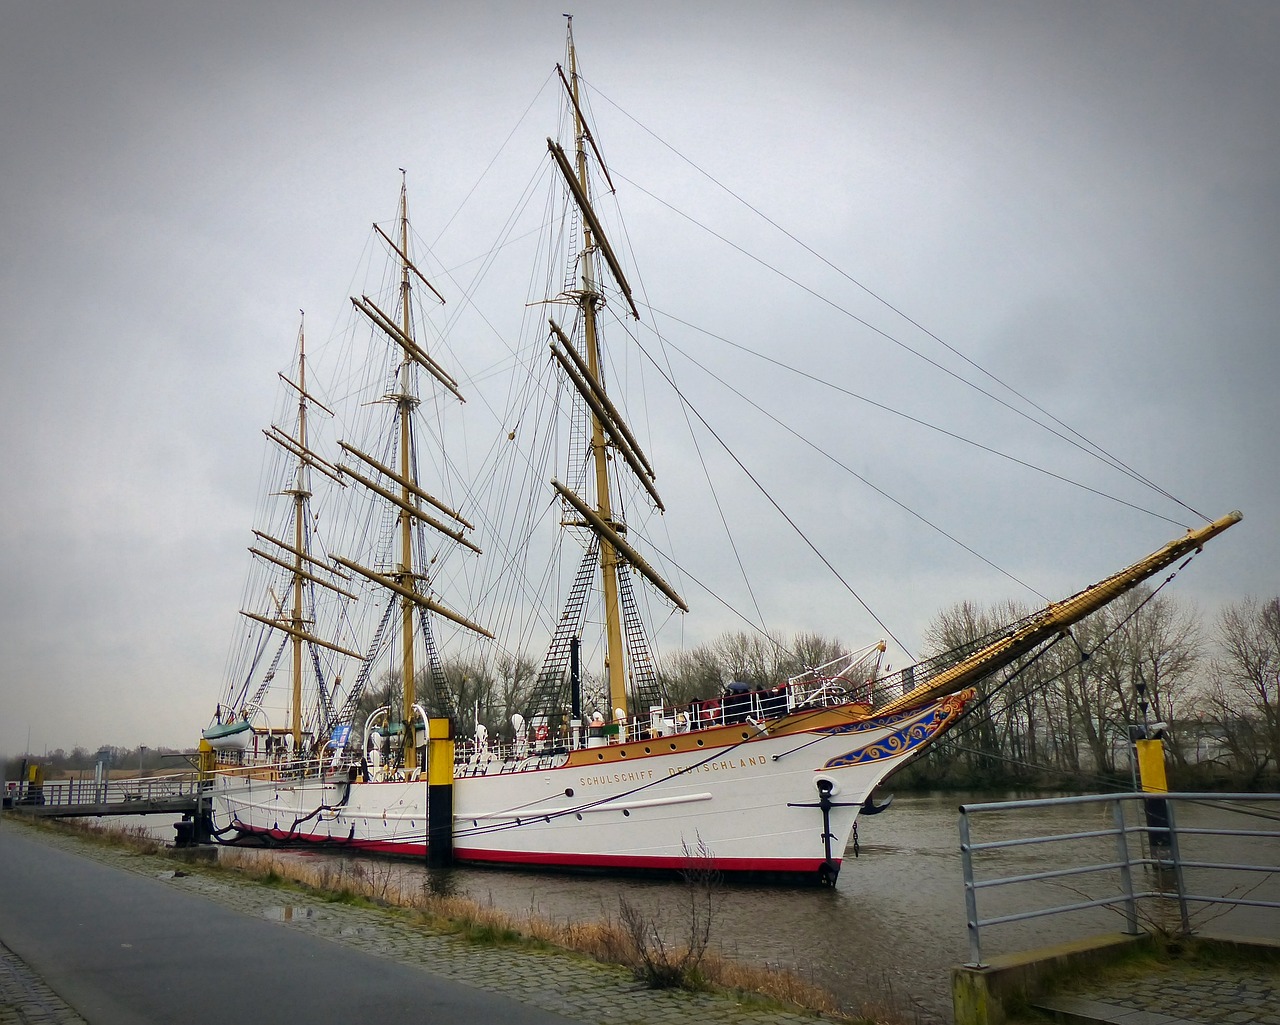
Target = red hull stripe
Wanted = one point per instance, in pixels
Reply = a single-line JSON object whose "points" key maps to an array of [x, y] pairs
{"points": [[544, 859], [535, 859]]}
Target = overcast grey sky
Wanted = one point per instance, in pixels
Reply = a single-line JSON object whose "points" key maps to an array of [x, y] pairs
{"points": [[1084, 198]]}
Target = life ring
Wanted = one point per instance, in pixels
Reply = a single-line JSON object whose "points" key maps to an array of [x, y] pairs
{"points": [[541, 733]]}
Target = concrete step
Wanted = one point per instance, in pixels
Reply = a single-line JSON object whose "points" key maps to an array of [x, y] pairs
{"points": [[1069, 1010]]}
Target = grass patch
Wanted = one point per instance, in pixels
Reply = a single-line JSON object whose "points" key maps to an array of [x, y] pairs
{"points": [[131, 838]]}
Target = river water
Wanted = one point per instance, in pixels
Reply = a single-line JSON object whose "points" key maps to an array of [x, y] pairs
{"points": [[894, 926]]}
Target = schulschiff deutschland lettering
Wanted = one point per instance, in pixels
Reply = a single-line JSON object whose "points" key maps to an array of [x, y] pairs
{"points": [[644, 775]]}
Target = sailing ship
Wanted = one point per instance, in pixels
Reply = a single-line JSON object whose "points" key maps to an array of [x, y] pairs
{"points": [[600, 771]]}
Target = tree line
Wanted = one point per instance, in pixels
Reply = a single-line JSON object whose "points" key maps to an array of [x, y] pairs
{"points": [[1063, 717], [80, 760]]}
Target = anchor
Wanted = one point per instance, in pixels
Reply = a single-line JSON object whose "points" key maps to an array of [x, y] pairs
{"points": [[825, 786]]}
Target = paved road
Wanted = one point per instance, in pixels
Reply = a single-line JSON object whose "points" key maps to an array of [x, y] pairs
{"points": [[124, 949]]}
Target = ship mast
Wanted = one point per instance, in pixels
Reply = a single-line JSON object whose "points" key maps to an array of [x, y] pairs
{"points": [[589, 300], [301, 495], [405, 491], [299, 623], [405, 403]]}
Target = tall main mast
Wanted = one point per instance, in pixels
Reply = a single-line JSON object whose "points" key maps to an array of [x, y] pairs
{"points": [[301, 495], [589, 300], [405, 403], [399, 484]]}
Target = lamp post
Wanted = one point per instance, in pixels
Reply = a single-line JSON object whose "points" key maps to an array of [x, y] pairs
{"points": [[142, 749]]}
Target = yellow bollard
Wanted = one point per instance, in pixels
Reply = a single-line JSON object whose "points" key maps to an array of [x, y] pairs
{"points": [[439, 793]]}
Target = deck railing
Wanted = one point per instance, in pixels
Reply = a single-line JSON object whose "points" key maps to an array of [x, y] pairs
{"points": [[479, 753], [1148, 865]]}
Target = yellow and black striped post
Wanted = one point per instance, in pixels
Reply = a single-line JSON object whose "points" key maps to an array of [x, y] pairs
{"points": [[1148, 747], [439, 793]]}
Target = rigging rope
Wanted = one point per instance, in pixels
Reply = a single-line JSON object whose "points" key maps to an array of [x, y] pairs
{"points": [[1084, 443], [771, 500], [848, 393]]}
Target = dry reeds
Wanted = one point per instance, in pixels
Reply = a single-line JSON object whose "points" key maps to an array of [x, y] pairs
{"points": [[134, 838], [608, 942]]}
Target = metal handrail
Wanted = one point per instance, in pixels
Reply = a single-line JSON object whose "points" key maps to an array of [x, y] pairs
{"points": [[1162, 836], [91, 791]]}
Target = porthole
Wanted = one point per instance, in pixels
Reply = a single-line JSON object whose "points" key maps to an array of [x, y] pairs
{"points": [[699, 741], [626, 811], [648, 751]]}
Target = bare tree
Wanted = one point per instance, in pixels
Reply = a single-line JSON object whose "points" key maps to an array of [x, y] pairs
{"points": [[1244, 695], [386, 691], [983, 750], [761, 660], [514, 679], [1067, 708], [810, 650], [473, 685], [758, 659], [1140, 649], [690, 673]]}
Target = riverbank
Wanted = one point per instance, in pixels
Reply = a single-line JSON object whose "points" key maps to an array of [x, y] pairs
{"points": [[465, 942]]}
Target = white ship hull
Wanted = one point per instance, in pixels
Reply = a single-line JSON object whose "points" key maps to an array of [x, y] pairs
{"points": [[728, 799]]}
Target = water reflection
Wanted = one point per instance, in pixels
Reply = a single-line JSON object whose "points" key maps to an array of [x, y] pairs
{"points": [[444, 882], [288, 913]]}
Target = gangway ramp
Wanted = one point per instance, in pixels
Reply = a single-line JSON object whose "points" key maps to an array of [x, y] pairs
{"points": [[82, 798]]}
